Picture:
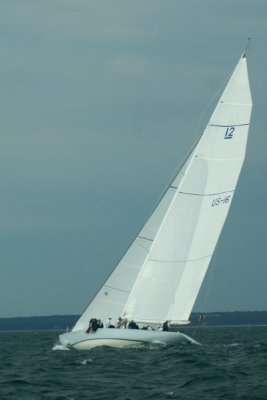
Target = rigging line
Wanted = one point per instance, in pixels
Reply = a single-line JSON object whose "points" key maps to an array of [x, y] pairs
{"points": [[170, 181], [212, 270], [209, 282], [174, 174], [248, 46]]}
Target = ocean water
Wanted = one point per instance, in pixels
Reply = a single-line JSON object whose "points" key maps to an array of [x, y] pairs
{"points": [[230, 363]]}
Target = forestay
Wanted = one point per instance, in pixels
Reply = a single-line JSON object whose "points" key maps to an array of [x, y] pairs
{"points": [[160, 275]]}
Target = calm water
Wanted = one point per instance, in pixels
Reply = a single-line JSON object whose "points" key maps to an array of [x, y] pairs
{"points": [[230, 364]]}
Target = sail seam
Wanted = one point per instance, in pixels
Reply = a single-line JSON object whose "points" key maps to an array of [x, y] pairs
{"points": [[235, 104], [219, 159], [206, 195], [181, 261], [226, 126]]}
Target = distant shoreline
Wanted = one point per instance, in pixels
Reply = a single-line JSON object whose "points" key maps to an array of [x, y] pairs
{"points": [[62, 322]]}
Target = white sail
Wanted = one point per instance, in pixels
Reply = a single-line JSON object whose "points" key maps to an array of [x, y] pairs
{"points": [[160, 275]]}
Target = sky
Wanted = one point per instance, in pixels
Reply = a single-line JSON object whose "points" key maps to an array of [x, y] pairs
{"points": [[99, 102]]}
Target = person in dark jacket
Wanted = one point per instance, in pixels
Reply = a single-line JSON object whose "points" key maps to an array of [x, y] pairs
{"points": [[133, 325], [165, 326], [93, 325]]}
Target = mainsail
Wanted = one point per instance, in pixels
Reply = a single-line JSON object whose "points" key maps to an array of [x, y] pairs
{"points": [[160, 275]]}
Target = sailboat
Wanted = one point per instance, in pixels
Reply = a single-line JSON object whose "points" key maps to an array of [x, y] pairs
{"points": [[159, 277]]}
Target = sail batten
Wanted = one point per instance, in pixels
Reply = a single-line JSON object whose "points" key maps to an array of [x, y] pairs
{"points": [[160, 275], [145, 238], [114, 288]]}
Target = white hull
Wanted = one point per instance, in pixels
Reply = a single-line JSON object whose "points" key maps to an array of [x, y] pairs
{"points": [[80, 340]]}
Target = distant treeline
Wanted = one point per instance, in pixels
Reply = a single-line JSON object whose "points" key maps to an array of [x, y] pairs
{"points": [[53, 322], [62, 322]]}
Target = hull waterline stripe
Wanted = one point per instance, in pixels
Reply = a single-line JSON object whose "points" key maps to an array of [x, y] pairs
{"points": [[121, 340]]}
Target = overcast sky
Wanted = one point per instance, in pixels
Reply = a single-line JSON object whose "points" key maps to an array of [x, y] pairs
{"points": [[99, 101]]}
